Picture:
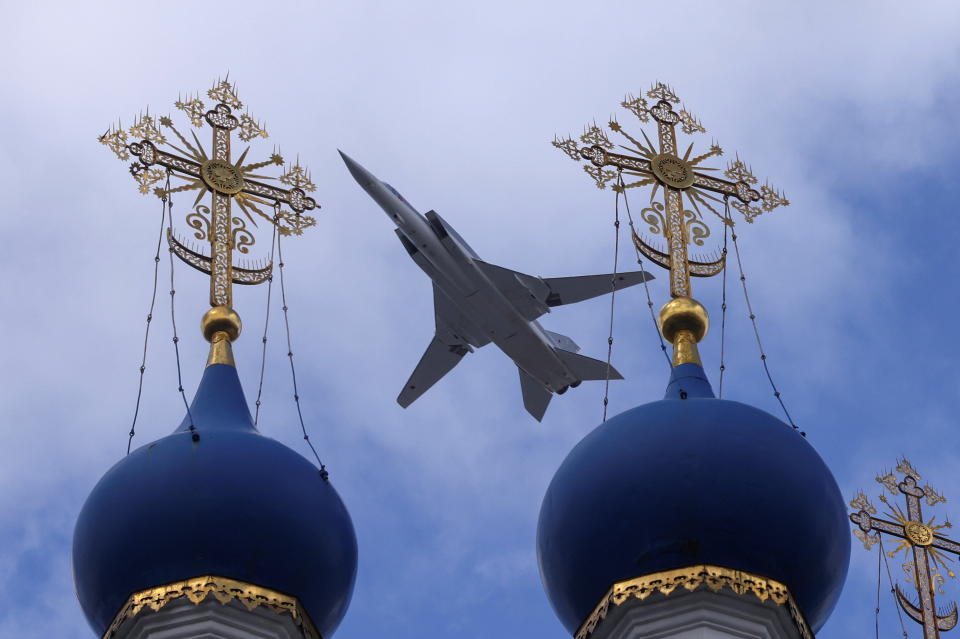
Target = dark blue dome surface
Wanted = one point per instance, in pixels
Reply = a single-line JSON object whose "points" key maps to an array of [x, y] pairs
{"points": [[681, 482], [234, 504]]}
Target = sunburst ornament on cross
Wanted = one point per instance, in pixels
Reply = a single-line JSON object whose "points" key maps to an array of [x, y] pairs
{"points": [[926, 546], [679, 177], [227, 180]]}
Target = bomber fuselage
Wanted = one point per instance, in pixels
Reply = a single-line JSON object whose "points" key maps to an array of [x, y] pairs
{"points": [[451, 264]]}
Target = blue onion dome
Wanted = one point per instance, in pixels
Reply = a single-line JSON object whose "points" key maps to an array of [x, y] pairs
{"points": [[230, 502], [691, 480]]}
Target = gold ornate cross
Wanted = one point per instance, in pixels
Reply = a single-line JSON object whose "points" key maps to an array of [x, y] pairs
{"points": [[921, 537], [227, 181], [663, 167]]}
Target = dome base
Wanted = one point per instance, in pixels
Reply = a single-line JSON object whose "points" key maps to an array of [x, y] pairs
{"points": [[707, 602], [211, 607]]}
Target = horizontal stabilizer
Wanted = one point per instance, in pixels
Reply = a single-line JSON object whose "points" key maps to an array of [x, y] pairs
{"points": [[437, 361], [562, 341], [536, 398], [568, 290], [587, 368]]}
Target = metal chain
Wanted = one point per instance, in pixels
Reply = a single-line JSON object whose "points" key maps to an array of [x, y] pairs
{"points": [[173, 321], [324, 475], [613, 293], [876, 614], [756, 331], [893, 592], [723, 304], [266, 324], [153, 303], [646, 286]]}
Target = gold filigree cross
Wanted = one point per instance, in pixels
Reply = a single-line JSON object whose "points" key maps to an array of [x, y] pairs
{"points": [[921, 537], [663, 167], [228, 181]]}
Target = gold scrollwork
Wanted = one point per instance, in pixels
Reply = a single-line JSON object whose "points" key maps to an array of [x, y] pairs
{"points": [[600, 176], [145, 176], [654, 216], [298, 178], [194, 109], [595, 135], [661, 91], [224, 590], [697, 230], [638, 106], [293, 223], [199, 220], [242, 239], [867, 539], [567, 145], [689, 123], [692, 578], [116, 141], [862, 502], [748, 212], [225, 93]]}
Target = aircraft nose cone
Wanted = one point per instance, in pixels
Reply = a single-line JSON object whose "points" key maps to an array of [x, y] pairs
{"points": [[360, 174]]}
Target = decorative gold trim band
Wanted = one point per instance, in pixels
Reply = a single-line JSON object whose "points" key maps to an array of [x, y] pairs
{"points": [[223, 590], [695, 578]]}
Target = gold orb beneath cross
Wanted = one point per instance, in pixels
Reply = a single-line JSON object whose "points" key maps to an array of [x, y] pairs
{"points": [[222, 177], [220, 319], [672, 171], [683, 314]]}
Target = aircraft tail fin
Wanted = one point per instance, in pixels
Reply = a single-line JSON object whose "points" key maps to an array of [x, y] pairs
{"points": [[587, 368], [536, 398], [438, 360], [568, 290]]}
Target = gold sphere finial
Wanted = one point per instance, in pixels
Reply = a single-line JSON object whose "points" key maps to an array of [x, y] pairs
{"points": [[684, 322], [220, 319], [683, 313]]}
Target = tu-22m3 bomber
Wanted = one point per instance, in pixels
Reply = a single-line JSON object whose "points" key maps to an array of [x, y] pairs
{"points": [[476, 303]]}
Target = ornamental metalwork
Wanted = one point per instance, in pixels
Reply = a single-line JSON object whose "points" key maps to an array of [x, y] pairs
{"points": [[224, 590], [692, 578], [682, 180], [162, 153], [927, 560]]}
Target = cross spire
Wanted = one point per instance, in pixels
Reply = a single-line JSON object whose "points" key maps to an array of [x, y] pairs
{"points": [[682, 180], [163, 153], [921, 539]]}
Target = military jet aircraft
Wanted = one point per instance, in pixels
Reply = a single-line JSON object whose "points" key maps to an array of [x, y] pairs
{"points": [[476, 303]]}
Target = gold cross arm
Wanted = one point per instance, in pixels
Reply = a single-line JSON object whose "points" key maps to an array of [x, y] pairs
{"points": [[600, 157], [150, 155], [917, 536], [868, 523]]}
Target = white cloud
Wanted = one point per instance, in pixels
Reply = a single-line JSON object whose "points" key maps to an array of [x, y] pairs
{"points": [[455, 106]]}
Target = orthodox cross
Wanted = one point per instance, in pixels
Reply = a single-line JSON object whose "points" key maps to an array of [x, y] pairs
{"points": [[663, 167], [228, 181], [921, 537]]}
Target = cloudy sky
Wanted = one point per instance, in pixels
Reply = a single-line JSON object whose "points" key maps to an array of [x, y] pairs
{"points": [[849, 107]]}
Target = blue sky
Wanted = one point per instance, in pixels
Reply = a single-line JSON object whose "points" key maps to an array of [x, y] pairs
{"points": [[848, 107]]}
